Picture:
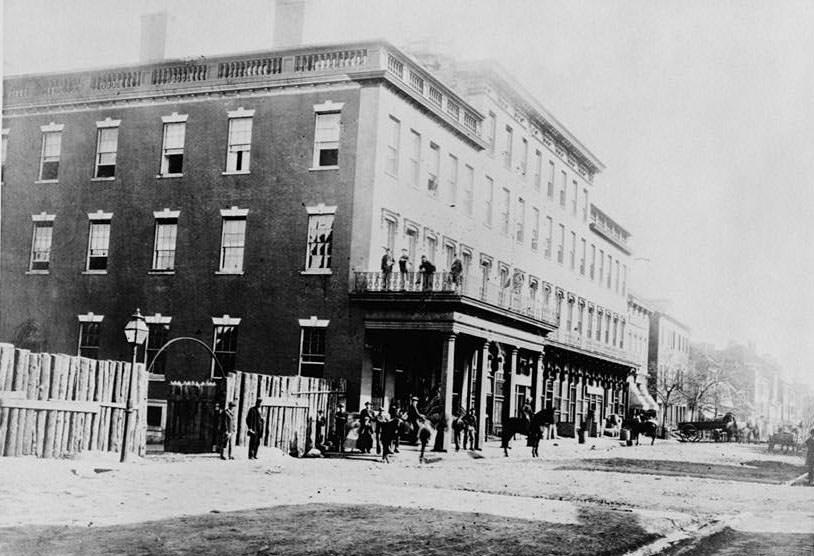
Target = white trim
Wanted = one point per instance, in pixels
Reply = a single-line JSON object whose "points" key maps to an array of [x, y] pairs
{"points": [[314, 322], [316, 271], [52, 127], [166, 214], [99, 215], [321, 208], [225, 320], [234, 212], [329, 106], [157, 318], [43, 217], [90, 317], [5, 131], [241, 113], [108, 122], [174, 118]]}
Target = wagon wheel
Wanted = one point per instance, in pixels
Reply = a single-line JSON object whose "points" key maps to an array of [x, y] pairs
{"points": [[689, 432], [699, 436]]}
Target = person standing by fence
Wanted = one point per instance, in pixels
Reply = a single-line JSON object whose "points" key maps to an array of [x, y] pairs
{"points": [[387, 269], [255, 426], [228, 428], [427, 270], [340, 424]]}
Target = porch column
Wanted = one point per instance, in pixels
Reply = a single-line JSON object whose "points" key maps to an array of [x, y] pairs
{"points": [[466, 382], [483, 377], [444, 434], [537, 381], [509, 384]]}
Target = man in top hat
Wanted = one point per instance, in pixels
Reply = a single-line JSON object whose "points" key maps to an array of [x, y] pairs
{"points": [[255, 426]]}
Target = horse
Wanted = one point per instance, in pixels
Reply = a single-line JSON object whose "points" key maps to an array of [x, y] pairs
{"points": [[730, 427], [531, 427], [638, 427]]}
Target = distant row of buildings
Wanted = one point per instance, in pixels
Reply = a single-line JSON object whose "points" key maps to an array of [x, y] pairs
{"points": [[248, 200]]}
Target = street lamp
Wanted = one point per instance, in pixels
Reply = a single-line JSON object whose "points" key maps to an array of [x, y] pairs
{"points": [[136, 333]]}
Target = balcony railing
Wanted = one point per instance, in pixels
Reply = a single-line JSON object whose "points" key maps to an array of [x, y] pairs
{"points": [[445, 283], [365, 58], [581, 341]]}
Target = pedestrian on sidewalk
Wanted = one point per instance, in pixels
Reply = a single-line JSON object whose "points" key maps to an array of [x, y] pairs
{"points": [[340, 426], [255, 425], [229, 428], [810, 457]]}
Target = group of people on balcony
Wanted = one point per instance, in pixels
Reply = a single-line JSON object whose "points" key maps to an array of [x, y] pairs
{"points": [[426, 270]]}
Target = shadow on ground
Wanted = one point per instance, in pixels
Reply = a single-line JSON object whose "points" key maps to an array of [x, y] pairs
{"points": [[736, 543], [758, 471], [340, 529]]}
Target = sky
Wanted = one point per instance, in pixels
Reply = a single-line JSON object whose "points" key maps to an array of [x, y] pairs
{"points": [[701, 111]]}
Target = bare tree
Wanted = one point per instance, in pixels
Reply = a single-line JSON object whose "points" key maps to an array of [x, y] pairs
{"points": [[666, 385]]}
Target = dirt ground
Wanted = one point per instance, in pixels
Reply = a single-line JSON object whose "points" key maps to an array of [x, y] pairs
{"points": [[648, 484]]}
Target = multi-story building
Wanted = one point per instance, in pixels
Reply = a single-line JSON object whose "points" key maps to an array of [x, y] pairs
{"points": [[247, 201], [668, 362], [638, 340]]}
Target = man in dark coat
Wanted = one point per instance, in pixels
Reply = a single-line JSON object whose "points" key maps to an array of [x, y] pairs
{"points": [[387, 268], [414, 417], [255, 426], [427, 270], [340, 426], [456, 271], [365, 441]]}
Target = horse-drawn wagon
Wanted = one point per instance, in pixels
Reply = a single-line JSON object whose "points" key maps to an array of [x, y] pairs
{"points": [[786, 440], [718, 429]]}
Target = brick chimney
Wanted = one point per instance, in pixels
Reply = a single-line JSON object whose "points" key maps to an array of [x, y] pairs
{"points": [[153, 37], [289, 20]]}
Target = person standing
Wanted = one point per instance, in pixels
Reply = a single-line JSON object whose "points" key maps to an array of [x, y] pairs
{"points": [[319, 431], [456, 271], [387, 268], [404, 267], [228, 428], [414, 417], [340, 426], [255, 425], [365, 441], [427, 270], [810, 457], [470, 428]]}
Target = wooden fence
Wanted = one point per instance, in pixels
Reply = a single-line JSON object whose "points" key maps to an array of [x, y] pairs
{"points": [[56, 405], [288, 404]]}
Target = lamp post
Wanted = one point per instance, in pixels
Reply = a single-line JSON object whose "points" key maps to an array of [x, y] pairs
{"points": [[136, 333]]}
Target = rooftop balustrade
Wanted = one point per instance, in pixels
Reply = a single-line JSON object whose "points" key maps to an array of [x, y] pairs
{"points": [[255, 69]]}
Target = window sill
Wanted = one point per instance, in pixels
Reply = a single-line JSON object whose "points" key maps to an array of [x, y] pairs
{"points": [[94, 272], [318, 168], [40, 272], [165, 176], [103, 179], [47, 181], [235, 173], [228, 273], [160, 272], [156, 377], [316, 271]]}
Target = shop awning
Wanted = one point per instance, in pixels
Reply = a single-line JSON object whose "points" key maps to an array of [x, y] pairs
{"points": [[636, 400], [651, 403]]}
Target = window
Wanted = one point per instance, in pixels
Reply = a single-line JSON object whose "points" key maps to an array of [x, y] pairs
{"points": [[549, 241], [524, 161], [488, 203], [391, 161], [434, 169], [51, 151], [98, 241], [624, 279], [535, 228], [574, 200], [449, 253], [505, 200], [521, 220], [431, 245], [561, 249], [507, 152], [572, 251], [563, 186], [41, 242], [609, 270], [166, 232], [538, 170], [224, 343], [599, 326], [3, 154], [491, 129], [90, 328], [172, 155], [618, 276], [107, 143], [607, 327], [601, 265], [583, 251], [412, 243], [158, 329], [593, 261], [485, 272], [326, 139], [453, 180], [312, 347], [590, 324], [466, 261], [469, 186], [239, 148], [550, 184], [584, 205], [232, 240], [415, 158], [320, 238], [390, 227]]}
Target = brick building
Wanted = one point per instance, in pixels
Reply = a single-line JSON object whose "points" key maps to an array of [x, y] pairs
{"points": [[247, 200]]}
